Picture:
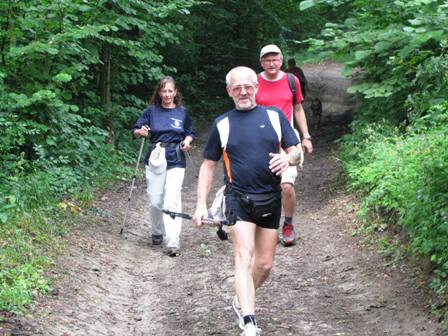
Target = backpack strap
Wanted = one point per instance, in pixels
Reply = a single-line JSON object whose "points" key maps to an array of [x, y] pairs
{"points": [[292, 86]]}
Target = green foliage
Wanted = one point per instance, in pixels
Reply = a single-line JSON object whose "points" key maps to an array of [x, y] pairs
{"points": [[59, 52], [70, 73], [18, 286], [28, 241], [397, 152], [392, 42], [74, 77], [406, 175], [219, 41], [220, 35]]}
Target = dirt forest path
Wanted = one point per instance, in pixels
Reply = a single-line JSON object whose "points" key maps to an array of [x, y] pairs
{"points": [[330, 283]]}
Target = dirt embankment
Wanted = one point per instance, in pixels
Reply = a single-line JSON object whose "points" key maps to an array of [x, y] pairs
{"points": [[330, 283]]}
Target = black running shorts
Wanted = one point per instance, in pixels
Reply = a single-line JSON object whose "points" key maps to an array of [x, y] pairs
{"points": [[237, 211]]}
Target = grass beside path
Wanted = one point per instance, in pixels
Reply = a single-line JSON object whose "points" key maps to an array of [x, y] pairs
{"points": [[28, 244]]}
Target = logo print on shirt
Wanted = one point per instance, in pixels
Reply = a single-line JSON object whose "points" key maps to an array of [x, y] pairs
{"points": [[176, 123]]}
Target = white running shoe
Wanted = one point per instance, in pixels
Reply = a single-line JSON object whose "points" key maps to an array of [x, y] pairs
{"points": [[251, 329], [237, 309]]}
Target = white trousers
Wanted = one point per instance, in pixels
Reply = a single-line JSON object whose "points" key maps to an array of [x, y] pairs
{"points": [[164, 191]]}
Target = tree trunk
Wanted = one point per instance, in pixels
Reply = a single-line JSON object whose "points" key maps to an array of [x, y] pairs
{"points": [[105, 89]]}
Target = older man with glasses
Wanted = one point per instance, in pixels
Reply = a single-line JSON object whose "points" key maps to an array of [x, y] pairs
{"points": [[249, 138], [274, 90]]}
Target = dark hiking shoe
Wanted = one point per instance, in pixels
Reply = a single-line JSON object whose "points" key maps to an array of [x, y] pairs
{"points": [[173, 251], [289, 236], [157, 239]]}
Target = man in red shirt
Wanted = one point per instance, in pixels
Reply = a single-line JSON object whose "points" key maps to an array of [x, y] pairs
{"points": [[274, 90]]}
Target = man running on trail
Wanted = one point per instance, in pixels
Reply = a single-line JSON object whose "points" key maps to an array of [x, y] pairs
{"points": [[274, 90], [249, 138]]}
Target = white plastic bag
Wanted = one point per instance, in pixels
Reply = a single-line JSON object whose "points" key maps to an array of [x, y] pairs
{"points": [[218, 209]]}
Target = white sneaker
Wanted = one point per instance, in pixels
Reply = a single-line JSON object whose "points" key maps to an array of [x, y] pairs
{"points": [[237, 309], [251, 330]]}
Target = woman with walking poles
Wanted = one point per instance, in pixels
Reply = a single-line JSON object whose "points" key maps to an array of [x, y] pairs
{"points": [[167, 122]]}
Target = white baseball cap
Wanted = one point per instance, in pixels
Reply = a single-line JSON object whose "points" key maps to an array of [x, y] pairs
{"points": [[157, 160], [270, 48]]}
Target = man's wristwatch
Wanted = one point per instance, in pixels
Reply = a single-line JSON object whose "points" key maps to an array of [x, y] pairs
{"points": [[307, 138]]}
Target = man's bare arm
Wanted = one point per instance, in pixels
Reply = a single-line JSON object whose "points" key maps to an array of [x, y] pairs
{"points": [[300, 118], [205, 181]]}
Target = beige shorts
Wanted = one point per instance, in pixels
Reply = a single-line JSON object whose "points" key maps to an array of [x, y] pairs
{"points": [[289, 175]]}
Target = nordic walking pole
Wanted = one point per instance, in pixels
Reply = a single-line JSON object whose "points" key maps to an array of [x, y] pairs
{"points": [[132, 184], [210, 221]]}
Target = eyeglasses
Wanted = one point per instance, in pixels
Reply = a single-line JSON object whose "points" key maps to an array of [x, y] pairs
{"points": [[239, 88], [271, 60]]}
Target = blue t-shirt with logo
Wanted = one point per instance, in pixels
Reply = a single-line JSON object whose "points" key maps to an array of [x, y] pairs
{"points": [[251, 137], [168, 125]]}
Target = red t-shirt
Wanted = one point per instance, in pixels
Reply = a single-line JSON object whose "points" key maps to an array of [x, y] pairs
{"points": [[278, 94]]}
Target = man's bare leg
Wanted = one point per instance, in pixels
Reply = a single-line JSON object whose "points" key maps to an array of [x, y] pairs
{"points": [[243, 237], [265, 245], [288, 199]]}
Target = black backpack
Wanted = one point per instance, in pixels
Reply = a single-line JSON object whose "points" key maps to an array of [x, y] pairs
{"points": [[292, 86]]}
